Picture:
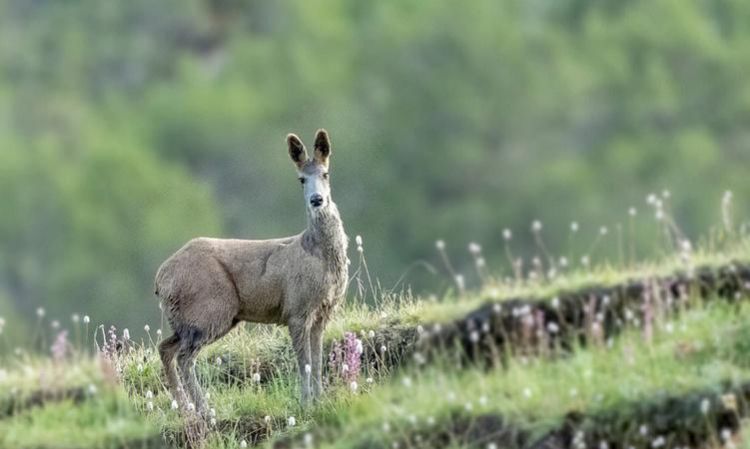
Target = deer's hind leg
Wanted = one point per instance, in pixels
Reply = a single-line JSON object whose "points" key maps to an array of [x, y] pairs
{"points": [[167, 350], [192, 339], [209, 314]]}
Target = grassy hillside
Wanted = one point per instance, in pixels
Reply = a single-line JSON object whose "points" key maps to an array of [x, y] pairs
{"points": [[648, 356]]}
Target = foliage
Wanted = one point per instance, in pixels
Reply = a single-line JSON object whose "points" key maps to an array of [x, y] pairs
{"points": [[127, 127]]}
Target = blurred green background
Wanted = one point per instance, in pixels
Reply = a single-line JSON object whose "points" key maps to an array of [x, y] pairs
{"points": [[127, 127]]}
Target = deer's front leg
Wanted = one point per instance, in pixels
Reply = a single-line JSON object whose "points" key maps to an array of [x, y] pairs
{"points": [[316, 346], [299, 329]]}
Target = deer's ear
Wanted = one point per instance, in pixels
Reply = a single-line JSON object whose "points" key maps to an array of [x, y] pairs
{"points": [[296, 150], [322, 146]]}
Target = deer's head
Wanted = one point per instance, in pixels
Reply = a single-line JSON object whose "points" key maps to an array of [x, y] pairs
{"points": [[312, 172]]}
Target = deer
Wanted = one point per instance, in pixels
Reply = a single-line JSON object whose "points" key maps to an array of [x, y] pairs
{"points": [[210, 285]]}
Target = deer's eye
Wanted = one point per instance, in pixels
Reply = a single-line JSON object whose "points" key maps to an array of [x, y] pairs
{"points": [[301, 180]]}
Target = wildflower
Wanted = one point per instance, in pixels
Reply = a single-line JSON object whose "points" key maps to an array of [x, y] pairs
{"points": [[555, 302], [191, 407], [256, 377], [468, 406], [344, 368], [371, 334], [353, 386], [158, 333], [86, 319], [406, 381], [40, 312], [55, 324], [460, 282], [632, 211], [659, 215], [482, 400], [218, 361], [150, 406], [705, 406], [552, 327], [386, 427], [481, 263], [603, 230], [308, 368], [139, 367], [651, 199], [440, 245], [574, 226], [643, 430], [573, 392], [174, 405], [536, 226], [308, 439], [729, 401], [243, 444], [92, 389], [726, 434], [149, 394], [358, 240], [60, 347], [75, 318], [212, 422], [369, 380], [497, 308], [212, 412], [474, 336], [527, 393], [507, 234], [147, 328], [126, 334], [563, 262], [585, 261], [267, 419], [208, 395], [491, 446], [658, 442], [291, 422], [475, 248]]}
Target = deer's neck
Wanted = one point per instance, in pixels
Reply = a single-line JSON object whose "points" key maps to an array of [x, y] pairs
{"points": [[325, 236]]}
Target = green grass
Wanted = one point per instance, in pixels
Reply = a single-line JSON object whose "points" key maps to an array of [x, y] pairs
{"points": [[703, 349], [107, 420], [697, 351]]}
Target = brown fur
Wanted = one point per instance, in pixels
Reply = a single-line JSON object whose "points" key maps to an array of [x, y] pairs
{"points": [[210, 285]]}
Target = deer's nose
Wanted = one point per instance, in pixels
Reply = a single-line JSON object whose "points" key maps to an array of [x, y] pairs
{"points": [[316, 200]]}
